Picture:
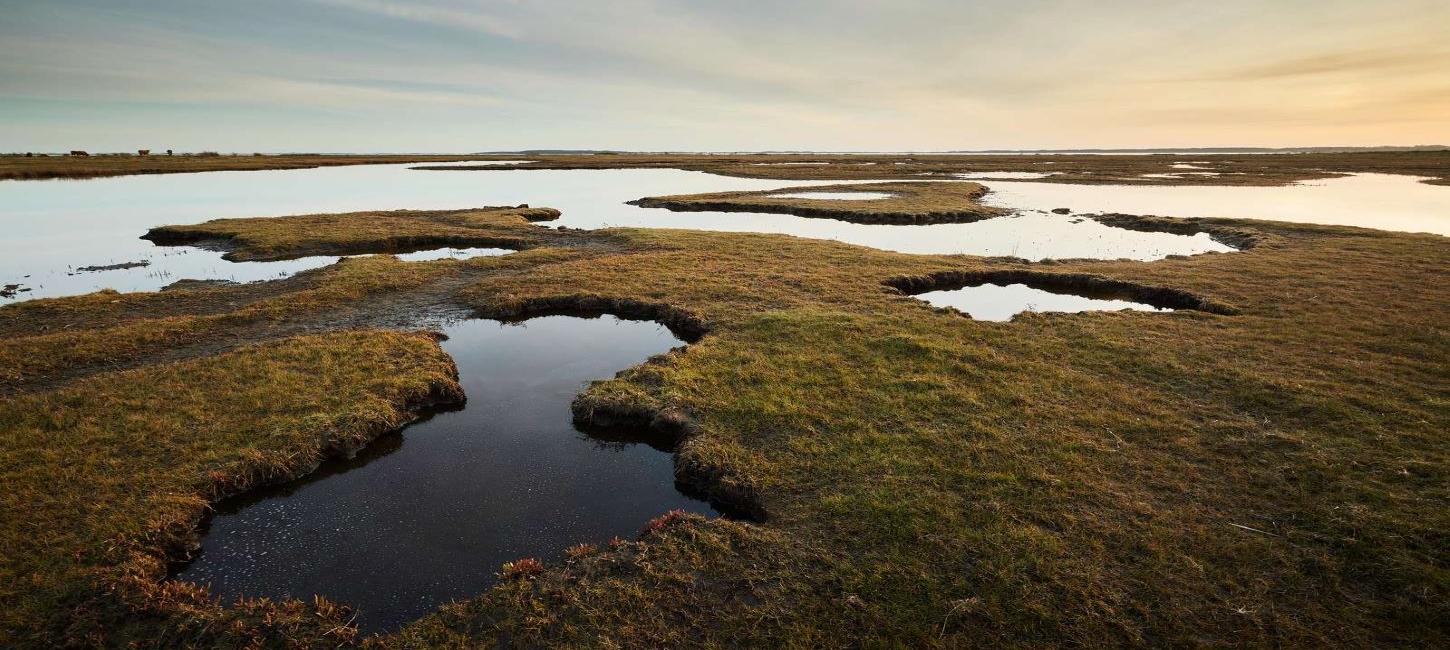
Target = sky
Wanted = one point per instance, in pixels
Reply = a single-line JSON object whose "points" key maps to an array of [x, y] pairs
{"points": [[691, 75]]}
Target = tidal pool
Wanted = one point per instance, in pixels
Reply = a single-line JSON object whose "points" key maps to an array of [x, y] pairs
{"points": [[428, 515], [996, 302]]}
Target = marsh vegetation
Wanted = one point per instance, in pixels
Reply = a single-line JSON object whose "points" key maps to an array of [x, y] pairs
{"points": [[1263, 464]]}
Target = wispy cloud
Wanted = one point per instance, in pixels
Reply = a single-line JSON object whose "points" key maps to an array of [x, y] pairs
{"points": [[1375, 61], [689, 75], [475, 16]]}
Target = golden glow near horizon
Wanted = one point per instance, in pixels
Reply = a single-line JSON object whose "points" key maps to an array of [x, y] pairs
{"points": [[463, 75]]}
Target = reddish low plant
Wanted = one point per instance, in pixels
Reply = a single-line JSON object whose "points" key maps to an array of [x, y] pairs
{"points": [[521, 569]]}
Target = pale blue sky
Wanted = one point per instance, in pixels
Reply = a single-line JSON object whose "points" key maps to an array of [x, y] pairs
{"points": [[470, 75]]}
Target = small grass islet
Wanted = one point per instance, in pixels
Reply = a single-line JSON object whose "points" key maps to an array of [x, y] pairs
{"points": [[1266, 465], [903, 203], [397, 231]]}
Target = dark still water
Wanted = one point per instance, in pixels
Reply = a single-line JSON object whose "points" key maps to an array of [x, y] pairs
{"points": [[427, 516]]}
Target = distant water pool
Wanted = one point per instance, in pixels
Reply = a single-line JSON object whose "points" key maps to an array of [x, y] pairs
{"points": [[1382, 201], [998, 302]]}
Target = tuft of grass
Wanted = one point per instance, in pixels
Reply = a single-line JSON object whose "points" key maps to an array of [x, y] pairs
{"points": [[521, 569]]}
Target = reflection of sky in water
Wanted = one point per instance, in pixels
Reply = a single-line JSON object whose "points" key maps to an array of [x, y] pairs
{"points": [[1000, 303], [1383, 201], [52, 227], [452, 254]]}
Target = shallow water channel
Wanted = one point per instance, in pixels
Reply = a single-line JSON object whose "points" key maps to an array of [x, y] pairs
{"points": [[428, 515]]}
